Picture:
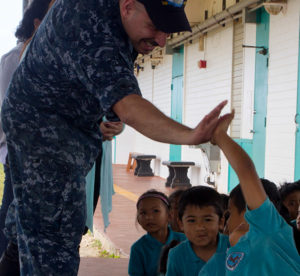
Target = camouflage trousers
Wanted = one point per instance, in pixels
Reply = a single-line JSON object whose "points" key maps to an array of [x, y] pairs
{"points": [[47, 216]]}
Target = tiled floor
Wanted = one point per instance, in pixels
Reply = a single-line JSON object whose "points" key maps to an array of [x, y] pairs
{"points": [[123, 229]]}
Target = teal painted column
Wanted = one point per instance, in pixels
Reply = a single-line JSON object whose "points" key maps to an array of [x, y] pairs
{"points": [[177, 97], [297, 121], [260, 92]]}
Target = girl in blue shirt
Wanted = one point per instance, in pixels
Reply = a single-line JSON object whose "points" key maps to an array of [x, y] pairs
{"points": [[153, 215]]}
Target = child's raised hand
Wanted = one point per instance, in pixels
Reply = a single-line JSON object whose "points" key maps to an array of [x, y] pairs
{"points": [[222, 127]]}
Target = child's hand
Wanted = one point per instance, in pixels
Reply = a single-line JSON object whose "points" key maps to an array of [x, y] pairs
{"points": [[222, 127]]}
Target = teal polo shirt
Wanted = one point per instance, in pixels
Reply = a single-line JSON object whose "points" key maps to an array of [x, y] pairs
{"points": [[216, 264], [145, 254], [267, 249], [183, 261]]}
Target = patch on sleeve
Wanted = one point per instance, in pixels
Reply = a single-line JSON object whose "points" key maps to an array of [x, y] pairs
{"points": [[234, 259]]}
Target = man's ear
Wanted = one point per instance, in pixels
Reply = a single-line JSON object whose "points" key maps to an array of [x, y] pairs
{"points": [[126, 7]]}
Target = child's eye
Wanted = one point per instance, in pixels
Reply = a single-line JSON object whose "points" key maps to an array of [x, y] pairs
{"points": [[292, 204], [190, 220], [207, 219], [156, 210]]}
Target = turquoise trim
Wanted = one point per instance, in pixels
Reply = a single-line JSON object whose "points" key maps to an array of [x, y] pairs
{"points": [[261, 92], [297, 120], [115, 149], [177, 97], [233, 180]]}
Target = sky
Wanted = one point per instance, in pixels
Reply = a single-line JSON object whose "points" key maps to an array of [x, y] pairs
{"points": [[10, 16]]}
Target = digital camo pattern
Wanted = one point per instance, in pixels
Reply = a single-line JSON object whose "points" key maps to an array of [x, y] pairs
{"points": [[78, 65]]}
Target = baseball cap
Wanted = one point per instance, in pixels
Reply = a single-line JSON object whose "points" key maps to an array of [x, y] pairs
{"points": [[167, 15]]}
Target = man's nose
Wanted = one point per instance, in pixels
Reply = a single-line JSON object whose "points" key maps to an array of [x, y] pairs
{"points": [[161, 38]]}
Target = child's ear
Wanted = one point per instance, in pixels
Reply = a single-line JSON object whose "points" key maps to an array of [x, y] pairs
{"points": [[221, 224]]}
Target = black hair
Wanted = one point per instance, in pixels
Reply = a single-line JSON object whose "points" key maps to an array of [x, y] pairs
{"points": [[200, 196], [224, 201], [175, 195], [288, 188], [154, 194], [164, 256], [270, 188], [36, 10]]}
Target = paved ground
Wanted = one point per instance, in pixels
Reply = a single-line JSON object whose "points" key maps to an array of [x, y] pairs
{"points": [[123, 230], [103, 267]]}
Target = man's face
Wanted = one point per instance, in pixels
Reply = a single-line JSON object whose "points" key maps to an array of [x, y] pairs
{"points": [[291, 202], [141, 31]]}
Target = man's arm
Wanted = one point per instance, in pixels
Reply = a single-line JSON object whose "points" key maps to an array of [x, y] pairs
{"points": [[143, 116], [252, 188]]}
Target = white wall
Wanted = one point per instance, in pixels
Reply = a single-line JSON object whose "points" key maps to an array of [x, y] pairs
{"points": [[205, 88], [282, 94], [248, 81], [156, 87]]}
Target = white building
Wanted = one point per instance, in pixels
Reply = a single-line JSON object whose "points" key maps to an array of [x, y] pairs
{"points": [[262, 84]]}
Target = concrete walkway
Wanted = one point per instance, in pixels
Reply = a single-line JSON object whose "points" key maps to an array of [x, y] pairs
{"points": [[123, 230]]}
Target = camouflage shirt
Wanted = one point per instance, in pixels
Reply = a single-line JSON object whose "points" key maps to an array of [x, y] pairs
{"points": [[78, 65]]}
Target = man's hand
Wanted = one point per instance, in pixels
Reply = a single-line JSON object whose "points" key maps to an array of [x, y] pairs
{"points": [[110, 129], [204, 130]]}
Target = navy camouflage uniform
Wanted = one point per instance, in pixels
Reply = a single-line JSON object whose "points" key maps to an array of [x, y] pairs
{"points": [[78, 65]]}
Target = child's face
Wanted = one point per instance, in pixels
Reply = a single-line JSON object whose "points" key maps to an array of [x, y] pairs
{"points": [[298, 219], [152, 214], [291, 202], [235, 218], [201, 225]]}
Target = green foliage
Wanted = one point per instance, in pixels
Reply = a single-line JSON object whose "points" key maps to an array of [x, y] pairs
{"points": [[102, 253]]}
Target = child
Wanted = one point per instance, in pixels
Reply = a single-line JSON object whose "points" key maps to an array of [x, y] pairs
{"points": [[290, 197], [236, 225], [268, 247], [201, 218], [174, 200], [153, 215]]}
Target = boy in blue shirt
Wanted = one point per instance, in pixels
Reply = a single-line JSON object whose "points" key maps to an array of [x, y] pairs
{"points": [[268, 247], [201, 218]]}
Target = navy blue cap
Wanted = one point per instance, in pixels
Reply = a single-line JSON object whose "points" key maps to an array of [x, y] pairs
{"points": [[168, 16]]}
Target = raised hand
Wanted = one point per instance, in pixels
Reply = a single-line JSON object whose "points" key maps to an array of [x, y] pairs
{"points": [[204, 130], [222, 126]]}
